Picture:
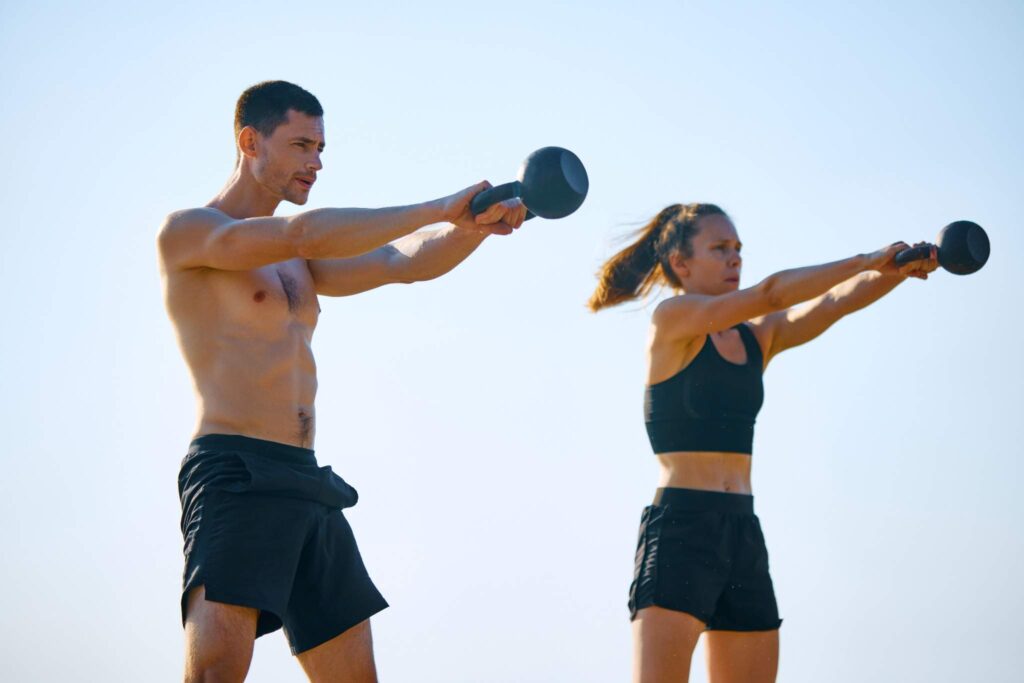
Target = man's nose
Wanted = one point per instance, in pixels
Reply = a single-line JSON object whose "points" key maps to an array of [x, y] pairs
{"points": [[315, 164]]}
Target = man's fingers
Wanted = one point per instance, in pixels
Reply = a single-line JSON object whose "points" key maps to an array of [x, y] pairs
{"points": [[499, 228], [491, 215], [511, 211], [517, 212], [474, 190], [522, 214]]}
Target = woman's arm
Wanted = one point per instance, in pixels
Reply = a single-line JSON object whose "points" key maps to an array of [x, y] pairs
{"points": [[792, 327], [690, 315]]}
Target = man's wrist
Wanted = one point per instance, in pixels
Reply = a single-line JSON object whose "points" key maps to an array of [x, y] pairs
{"points": [[433, 211], [466, 232]]}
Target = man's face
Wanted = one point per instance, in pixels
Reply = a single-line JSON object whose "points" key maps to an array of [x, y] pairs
{"points": [[288, 160]]}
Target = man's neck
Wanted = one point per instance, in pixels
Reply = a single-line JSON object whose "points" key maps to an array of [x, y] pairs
{"points": [[244, 197]]}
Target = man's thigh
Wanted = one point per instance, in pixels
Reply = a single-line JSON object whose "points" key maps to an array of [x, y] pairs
{"points": [[332, 592], [218, 639], [346, 658]]}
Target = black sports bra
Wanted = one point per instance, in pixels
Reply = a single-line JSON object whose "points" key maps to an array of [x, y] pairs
{"points": [[710, 405]]}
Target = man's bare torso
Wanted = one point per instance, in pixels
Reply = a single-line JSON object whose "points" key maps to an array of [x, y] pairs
{"points": [[246, 337]]}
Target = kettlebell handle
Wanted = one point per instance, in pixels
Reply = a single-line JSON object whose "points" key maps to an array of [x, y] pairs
{"points": [[499, 193], [912, 254]]}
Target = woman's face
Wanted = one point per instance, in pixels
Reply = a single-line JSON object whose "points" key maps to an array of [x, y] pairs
{"points": [[714, 267]]}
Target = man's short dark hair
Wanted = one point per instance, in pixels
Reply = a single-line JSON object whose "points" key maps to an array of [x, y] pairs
{"points": [[265, 105]]}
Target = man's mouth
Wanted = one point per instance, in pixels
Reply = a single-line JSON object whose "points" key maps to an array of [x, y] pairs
{"points": [[305, 182]]}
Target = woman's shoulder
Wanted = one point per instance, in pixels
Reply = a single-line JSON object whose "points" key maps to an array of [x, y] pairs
{"points": [[676, 304]]}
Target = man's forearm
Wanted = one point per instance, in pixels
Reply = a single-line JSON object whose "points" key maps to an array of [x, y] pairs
{"points": [[343, 233], [432, 254]]}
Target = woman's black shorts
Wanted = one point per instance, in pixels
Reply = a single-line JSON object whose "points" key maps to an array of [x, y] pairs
{"points": [[263, 528], [702, 552]]}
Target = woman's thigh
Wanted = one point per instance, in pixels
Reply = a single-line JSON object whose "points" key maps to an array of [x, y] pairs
{"points": [[663, 642], [743, 656]]}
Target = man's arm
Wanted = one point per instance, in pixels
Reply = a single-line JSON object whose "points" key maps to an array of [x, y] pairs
{"points": [[415, 258], [418, 257], [206, 237]]}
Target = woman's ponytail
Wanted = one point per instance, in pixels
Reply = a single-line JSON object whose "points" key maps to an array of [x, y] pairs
{"points": [[634, 271]]}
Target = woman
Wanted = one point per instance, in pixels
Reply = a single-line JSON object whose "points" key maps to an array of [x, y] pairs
{"points": [[701, 563]]}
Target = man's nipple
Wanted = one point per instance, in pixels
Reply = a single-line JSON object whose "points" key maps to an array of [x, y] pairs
{"points": [[259, 296]]}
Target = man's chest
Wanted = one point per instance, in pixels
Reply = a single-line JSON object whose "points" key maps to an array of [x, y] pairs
{"points": [[276, 294]]}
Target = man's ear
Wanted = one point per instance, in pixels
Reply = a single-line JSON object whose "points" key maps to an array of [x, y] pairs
{"points": [[247, 138]]}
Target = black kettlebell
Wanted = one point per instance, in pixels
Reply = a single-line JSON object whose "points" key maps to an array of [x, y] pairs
{"points": [[552, 184], [963, 248]]}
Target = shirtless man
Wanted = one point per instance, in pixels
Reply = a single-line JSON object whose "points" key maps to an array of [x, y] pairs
{"points": [[266, 544]]}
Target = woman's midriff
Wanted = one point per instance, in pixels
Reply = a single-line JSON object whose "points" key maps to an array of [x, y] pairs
{"points": [[707, 471]]}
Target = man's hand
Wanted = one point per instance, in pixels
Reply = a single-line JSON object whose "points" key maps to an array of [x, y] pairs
{"points": [[921, 267], [500, 219]]}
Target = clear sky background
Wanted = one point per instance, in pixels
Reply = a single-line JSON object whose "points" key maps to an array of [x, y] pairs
{"points": [[492, 426]]}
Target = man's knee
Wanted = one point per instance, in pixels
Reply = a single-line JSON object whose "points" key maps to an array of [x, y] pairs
{"points": [[218, 640], [229, 670]]}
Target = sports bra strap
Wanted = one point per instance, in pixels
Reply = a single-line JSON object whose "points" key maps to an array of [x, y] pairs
{"points": [[751, 344]]}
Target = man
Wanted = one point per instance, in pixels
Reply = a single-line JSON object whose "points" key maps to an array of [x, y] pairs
{"points": [[266, 543]]}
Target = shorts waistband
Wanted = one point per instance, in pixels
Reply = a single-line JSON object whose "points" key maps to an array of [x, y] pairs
{"points": [[694, 500], [247, 444]]}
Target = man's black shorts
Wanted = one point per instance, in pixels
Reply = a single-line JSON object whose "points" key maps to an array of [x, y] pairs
{"points": [[263, 528], [702, 552]]}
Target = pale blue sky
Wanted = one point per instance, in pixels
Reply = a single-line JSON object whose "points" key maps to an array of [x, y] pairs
{"points": [[492, 426]]}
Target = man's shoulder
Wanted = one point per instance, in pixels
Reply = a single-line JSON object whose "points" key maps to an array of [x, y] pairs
{"points": [[198, 215], [181, 228]]}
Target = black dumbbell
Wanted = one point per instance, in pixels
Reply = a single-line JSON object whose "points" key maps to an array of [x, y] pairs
{"points": [[963, 248], [552, 184]]}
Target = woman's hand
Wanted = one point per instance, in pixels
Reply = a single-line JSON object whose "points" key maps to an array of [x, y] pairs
{"points": [[884, 261]]}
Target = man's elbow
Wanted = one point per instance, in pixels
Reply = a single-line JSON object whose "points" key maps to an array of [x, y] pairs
{"points": [[408, 278], [300, 237], [404, 269]]}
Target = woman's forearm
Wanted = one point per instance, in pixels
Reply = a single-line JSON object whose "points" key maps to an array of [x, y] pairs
{"points": [[864, 290], [789, 287]]}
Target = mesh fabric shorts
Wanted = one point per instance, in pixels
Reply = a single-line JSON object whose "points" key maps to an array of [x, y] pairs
{"points": [[703, 553], [263, 528]]}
